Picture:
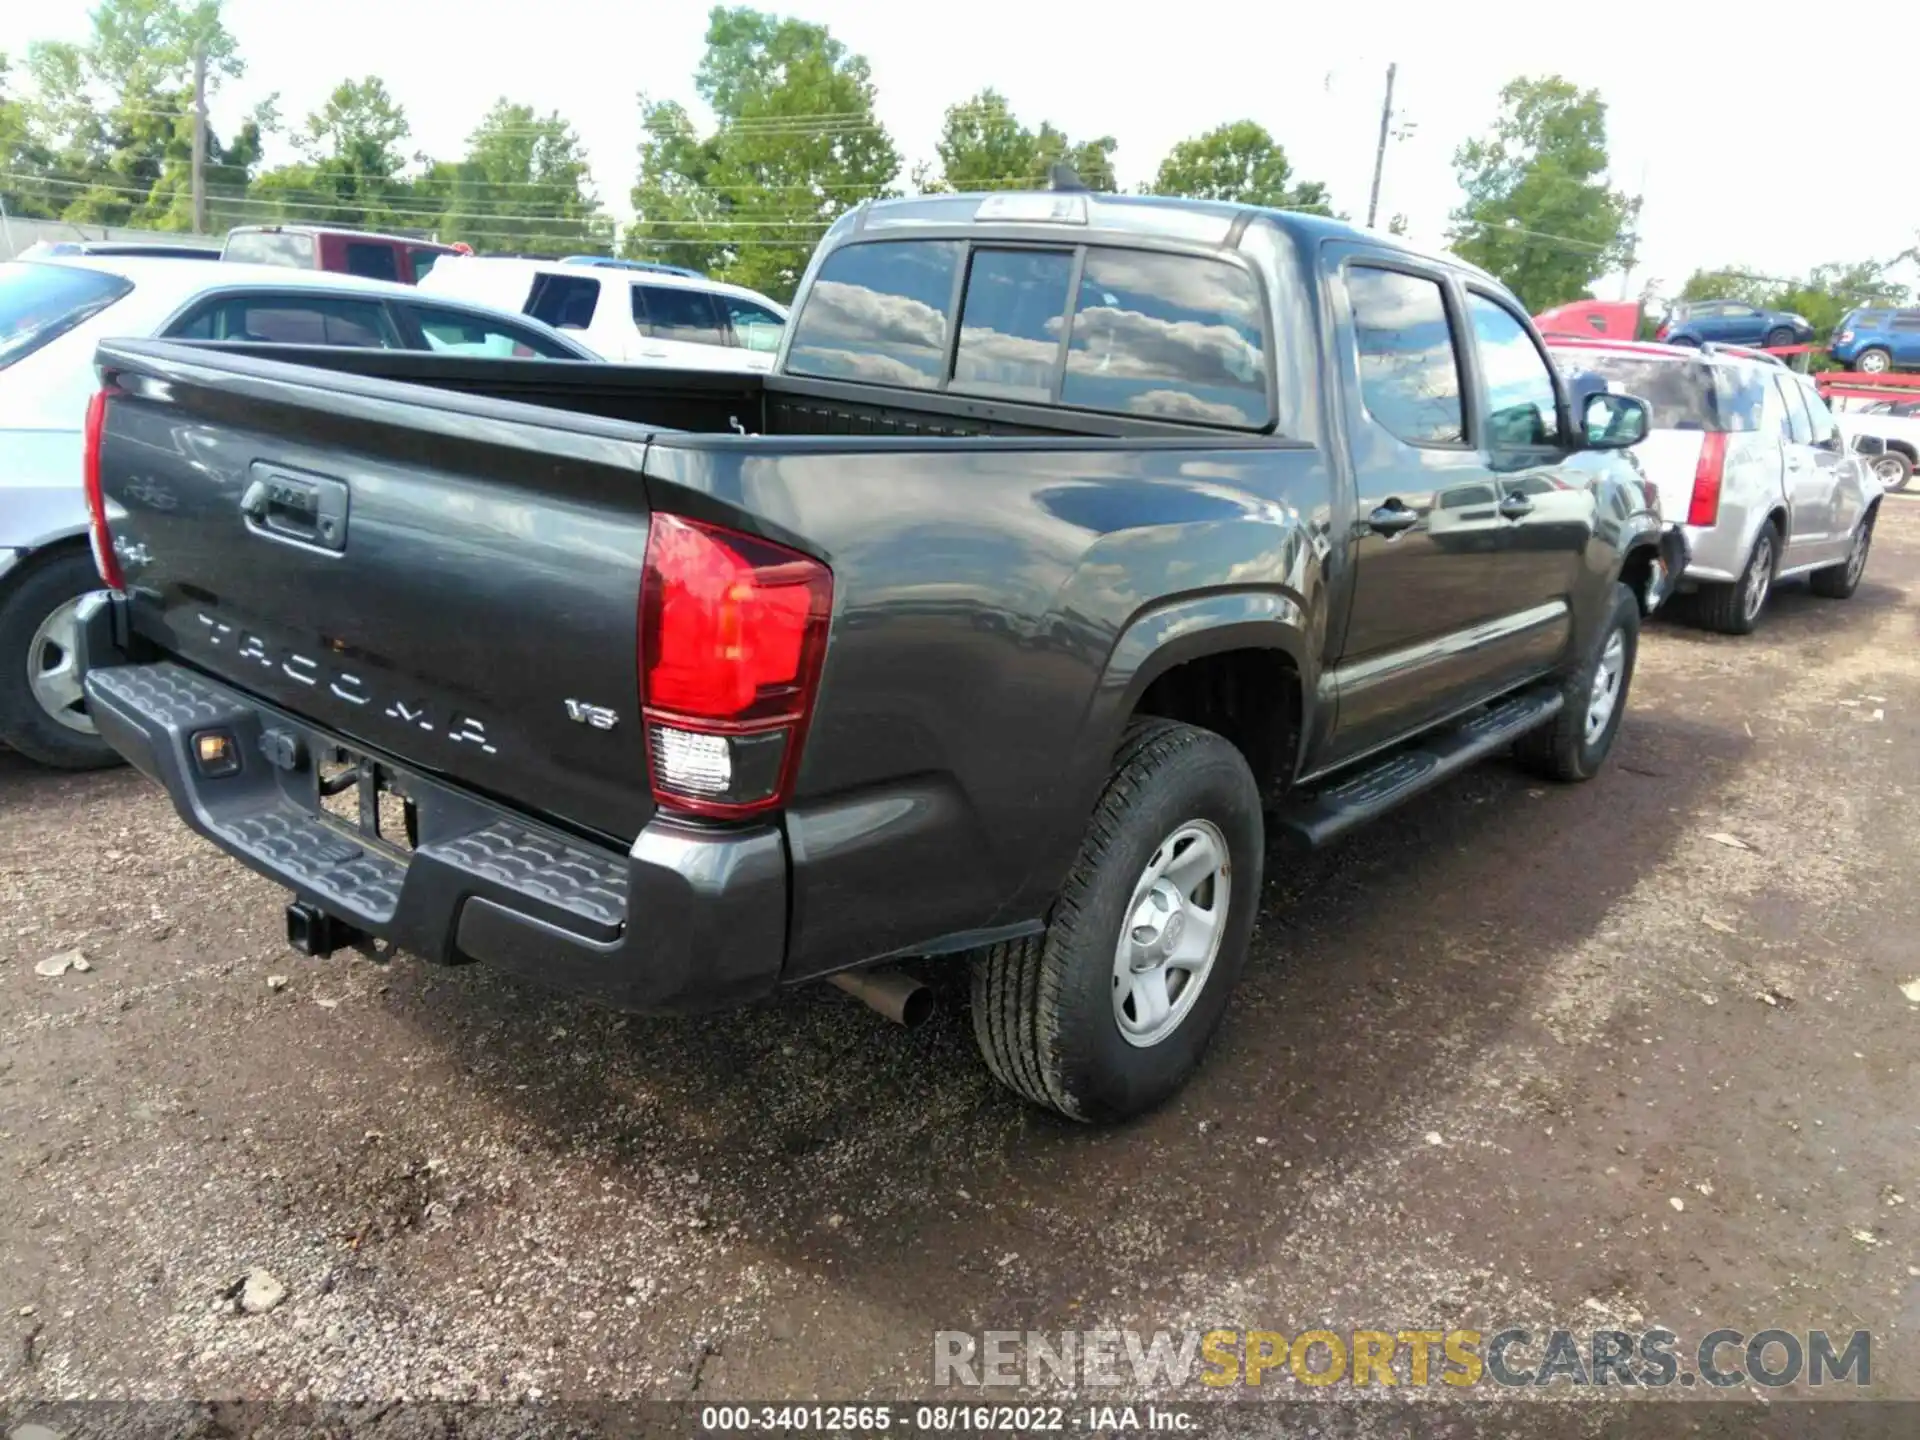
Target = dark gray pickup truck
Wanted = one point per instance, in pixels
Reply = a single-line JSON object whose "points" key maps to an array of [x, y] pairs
{"points": [[1072, 535]]}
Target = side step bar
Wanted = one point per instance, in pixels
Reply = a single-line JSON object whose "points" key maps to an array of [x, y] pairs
{"points": [[1322, 815]]}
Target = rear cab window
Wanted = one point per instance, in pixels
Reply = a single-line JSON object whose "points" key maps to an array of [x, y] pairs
{"points": [[1140, 333], [270, 247], [39, 303], [1409, 368]]}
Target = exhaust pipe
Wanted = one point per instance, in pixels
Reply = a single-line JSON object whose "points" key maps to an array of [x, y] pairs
{"points": [[896, 995]]}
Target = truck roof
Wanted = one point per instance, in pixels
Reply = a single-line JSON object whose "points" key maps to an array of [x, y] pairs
{"points": [[1149, 216]]}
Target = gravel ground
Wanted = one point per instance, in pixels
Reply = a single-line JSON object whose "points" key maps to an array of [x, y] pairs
{"points": [[1478, 1055]]}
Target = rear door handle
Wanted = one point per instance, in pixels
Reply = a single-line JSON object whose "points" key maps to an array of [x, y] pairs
{"points": [[1515, 507], [1392, 518]]}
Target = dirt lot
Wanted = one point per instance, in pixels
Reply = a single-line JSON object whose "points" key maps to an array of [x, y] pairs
{"points": [[1520, 1054]]}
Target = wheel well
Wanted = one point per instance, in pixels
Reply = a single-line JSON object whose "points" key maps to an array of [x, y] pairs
{"points": [[1777, 517], [1636, 572], [1906, 448], [38, 556], [1250, 698]]}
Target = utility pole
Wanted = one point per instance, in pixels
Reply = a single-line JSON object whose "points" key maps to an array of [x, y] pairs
{"points": [[199, 138], [1380, 155]]}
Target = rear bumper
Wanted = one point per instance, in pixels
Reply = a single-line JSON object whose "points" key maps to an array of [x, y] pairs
{"points": [[689, 918]]}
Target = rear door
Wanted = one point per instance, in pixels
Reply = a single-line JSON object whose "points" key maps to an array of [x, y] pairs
{"points": [[1426, 601], [1810, 477], [1841, 494]]}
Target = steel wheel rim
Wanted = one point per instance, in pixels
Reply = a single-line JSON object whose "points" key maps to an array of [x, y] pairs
{"points": [[1889, 469], [1603, 697], [53, 669], [1759, 578], [1857, 556], [1171, 932]]}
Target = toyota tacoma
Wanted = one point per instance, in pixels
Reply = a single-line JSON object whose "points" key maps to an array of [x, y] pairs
{"points": [[1077, 545]]}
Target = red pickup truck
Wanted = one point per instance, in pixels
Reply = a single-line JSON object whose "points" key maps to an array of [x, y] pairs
{"points": [[352, 252]]}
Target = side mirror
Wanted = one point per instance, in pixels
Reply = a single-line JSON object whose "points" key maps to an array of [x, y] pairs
{"points": [[1870, 445], [1614, 422]]}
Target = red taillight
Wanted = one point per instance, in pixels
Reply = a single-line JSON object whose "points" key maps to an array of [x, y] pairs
{"points": [[1662, 332], [104, 560], [732, 633], [1704, 510]]}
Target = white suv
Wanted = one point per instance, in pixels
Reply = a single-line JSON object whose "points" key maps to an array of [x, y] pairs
{"points": [[626, 311], [1746, 453]]}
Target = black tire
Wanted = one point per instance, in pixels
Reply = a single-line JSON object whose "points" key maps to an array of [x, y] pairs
{"points": [[1900, 466], [1777, 339], [1561, 750], [1685, 341], [1725, 607], [1043, 1007], [1881, 363], [1838, 582], [48, 582]]}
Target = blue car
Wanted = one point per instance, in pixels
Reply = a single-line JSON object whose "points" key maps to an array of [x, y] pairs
{"points": [[1876, 341], [1733, 322]]}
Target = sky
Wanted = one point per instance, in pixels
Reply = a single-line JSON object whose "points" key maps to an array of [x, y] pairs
{"points": [[1724, 125]]}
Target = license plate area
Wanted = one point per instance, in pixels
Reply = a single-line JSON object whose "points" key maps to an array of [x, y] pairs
{"points": [[365, 798]]}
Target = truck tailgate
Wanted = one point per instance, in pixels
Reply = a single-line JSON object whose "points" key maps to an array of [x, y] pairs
{"points": [[431, 575]]}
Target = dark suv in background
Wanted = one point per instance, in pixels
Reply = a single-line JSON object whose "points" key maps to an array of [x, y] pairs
{"points": [[1733, 322]]}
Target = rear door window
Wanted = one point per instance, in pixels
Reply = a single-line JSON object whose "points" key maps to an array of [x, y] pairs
{"points": [[878, 313], [1799, 426], [1011, 323], [372, 261], [1173, 337], [292, 320], [40, 303], [423, 261], [565, 302], [1409, 370], [669, 313]]}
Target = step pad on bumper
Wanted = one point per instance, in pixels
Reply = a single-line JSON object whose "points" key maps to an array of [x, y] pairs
{"points": [[541, 868]]}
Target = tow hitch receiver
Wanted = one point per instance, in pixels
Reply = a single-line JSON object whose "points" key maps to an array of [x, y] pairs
{"points": [[312, 931]]}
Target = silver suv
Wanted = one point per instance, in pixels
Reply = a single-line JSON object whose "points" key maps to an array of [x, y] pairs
{"points": [[1746, 453]]}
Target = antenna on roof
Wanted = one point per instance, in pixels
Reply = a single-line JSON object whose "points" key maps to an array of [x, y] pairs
{"points": [[1062, 176]]}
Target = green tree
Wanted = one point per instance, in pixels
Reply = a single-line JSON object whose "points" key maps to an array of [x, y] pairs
{"points": [[796, 144], [108, 114], [1241, 162], [982, 146], [523, 185], [1539, 212], [350, 168], [22, 158]]}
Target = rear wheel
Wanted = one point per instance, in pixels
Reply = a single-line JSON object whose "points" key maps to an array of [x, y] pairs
{"points": [[43, 712], [1735, 609], [1893, 470], [1873, 362], [1576, 743], [1838, 582], [1108, 1012]]}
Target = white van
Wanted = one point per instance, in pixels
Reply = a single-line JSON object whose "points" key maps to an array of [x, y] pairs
{"points": [[626, 311]]}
